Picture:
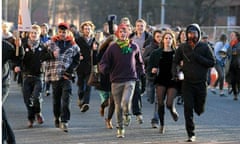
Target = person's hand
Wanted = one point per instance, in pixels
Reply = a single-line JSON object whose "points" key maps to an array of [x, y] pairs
{"points": [[154, 70], [95, 46], [65, 77], [17, 69], [81, 57], [18, 42], [56, 53]]}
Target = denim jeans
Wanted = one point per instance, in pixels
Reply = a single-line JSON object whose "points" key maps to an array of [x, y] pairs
{"points": [[84, 90], [221, 75], [137, 100], [150, 91], [7, 132], [62, 94], [122, 95], [32, 94]]}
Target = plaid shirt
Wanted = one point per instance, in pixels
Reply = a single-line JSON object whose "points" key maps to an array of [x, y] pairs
{"points": [[55, 68]]}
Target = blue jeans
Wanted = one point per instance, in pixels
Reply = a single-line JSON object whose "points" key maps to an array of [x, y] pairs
{"points": [[122, 95], [221, 75], [150, 91], [62, 93]]}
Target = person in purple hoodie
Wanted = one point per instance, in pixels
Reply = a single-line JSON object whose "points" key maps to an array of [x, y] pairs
{"points": [[123, 61]]}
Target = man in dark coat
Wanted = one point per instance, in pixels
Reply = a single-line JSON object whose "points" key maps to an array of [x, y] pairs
{"points": [[8, 53], [197, 58]]}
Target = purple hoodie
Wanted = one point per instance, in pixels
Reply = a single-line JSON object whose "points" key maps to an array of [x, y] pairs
{"points": [[122, 67]]}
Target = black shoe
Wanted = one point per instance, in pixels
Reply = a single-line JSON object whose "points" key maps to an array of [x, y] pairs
{"points": [[179, 100], [174, 115], [222, 95], [230, 91], [40, 118], [84, 108], [57, 123], [47, 93], [154, 125], [213, 91], [235, 98]]}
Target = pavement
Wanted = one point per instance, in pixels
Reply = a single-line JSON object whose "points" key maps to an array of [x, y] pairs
{"points": [[220, 124]]}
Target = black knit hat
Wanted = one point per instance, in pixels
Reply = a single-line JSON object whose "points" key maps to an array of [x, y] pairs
{"points": [[192, 29]]}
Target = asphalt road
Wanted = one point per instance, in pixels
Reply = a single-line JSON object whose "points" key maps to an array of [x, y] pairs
{"points": [[220, 124]]}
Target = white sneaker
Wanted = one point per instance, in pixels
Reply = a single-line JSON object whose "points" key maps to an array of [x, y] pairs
{"points": [[191, 139], [120, 133], [64, 126]]}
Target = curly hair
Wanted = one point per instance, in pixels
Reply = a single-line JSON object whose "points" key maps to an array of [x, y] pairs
{"points": [[88, 23]]}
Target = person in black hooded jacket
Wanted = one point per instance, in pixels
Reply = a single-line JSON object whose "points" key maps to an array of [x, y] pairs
{"points": [[197, 58], [8, 54]]}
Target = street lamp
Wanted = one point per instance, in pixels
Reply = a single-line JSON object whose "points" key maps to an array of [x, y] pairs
{"points": [[139, 9], [162, 12], [6, 11]]}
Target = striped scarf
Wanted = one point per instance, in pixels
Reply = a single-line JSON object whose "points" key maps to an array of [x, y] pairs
{"points": [[124, 45]]}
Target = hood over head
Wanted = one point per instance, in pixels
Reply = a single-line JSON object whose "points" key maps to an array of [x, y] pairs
{"points": [[194, 28]]}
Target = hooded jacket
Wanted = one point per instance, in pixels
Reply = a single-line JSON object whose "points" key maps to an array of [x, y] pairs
{"points": [[196, 61]]}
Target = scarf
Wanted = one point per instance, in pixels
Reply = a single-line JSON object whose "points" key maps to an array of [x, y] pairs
{"points": [[124, 45], [33, 44], [233, 43]]}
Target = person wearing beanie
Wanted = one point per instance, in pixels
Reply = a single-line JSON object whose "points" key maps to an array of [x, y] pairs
{"points": [[197, 58], [123, 61], [61, 63]]}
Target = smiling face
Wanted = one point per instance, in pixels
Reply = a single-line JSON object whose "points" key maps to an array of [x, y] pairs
{"points": [[87, 30], [34, 34], [62, 34], [140, 27]]}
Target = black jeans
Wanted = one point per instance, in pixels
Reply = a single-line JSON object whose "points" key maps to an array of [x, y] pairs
{"points": [[62, 93], [137, 100], [84, 90], [7, 132], [194, 100], [32, 90]]}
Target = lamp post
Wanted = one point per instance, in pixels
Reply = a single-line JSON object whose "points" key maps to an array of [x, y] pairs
{"points": [[162, 12], [6, 11], [139, 9]]}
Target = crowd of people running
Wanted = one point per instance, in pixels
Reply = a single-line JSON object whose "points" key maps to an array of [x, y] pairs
{"points": [[162, 64]]}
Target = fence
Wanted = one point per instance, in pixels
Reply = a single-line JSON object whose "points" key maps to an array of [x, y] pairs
{"points": [[214, 32]]}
